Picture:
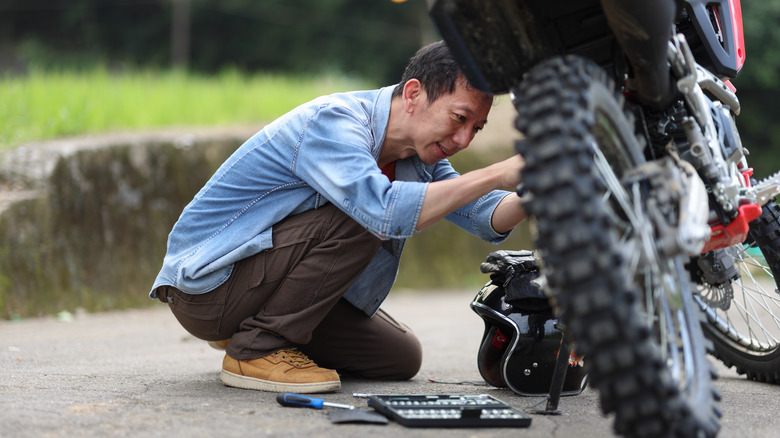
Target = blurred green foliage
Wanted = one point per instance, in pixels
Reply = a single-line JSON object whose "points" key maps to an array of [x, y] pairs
{"points": [[43, 105], [371, 39], [758, 85]]}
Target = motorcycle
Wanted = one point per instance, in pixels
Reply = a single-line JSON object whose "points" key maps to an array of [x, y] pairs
{"points": [[657, 245]]}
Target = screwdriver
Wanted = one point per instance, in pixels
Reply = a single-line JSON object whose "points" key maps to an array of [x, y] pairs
{"points": [[301, 401]]}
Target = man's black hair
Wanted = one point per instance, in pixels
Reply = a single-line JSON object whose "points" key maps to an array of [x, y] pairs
{"points": [[435, 68]]}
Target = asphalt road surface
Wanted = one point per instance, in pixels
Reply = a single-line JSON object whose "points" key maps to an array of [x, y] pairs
{"points": [[137, 373]]}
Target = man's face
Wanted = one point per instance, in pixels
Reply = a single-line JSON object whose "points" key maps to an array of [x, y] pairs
{"points": [[448, 125]]}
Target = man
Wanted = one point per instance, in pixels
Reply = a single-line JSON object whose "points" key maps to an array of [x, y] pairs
{"points": [[285, 255]]}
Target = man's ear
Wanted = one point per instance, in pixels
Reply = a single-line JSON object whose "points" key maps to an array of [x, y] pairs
{"points": [[413, 94]]}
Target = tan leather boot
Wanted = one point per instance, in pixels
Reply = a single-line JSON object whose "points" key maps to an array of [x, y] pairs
{"points": [[282, 371], [219, 345]]}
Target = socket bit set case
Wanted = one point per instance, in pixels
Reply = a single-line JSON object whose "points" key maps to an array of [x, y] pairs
{"points": [[450, 410]]}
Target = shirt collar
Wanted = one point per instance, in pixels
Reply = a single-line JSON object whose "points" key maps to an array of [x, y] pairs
{"points": [[380, 115]]}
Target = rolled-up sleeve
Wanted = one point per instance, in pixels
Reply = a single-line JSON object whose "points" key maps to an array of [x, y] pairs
{"points": [[476, 217]]}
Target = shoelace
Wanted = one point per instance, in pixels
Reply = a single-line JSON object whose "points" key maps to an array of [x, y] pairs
{"points": [[294, 357]]}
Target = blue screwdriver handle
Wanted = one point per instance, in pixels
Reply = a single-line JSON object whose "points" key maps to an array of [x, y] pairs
{"points": [[299, 401]]}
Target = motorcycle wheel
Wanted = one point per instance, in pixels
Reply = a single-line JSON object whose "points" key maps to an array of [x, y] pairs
{"points": [[630, 312], [744, 315]]}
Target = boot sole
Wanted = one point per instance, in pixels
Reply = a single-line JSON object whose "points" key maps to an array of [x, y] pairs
{"points": [[244, 382]]}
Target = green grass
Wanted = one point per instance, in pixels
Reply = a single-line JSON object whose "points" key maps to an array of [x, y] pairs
{"points": [[44, 105]]}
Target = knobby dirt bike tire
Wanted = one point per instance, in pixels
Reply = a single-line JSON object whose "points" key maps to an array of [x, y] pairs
{"points": [[746, 333], [568, 111]]}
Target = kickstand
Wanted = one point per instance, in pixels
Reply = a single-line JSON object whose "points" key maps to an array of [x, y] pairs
{"points": [[559, 376]]}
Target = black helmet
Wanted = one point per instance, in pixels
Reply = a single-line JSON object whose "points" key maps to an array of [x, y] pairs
{"points": [[521, 341]]}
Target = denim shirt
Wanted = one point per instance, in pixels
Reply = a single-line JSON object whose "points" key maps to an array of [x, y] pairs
{"points": [[323, 151]]}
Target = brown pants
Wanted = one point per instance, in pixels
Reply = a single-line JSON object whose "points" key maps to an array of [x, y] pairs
{"points": [[290, 295]]}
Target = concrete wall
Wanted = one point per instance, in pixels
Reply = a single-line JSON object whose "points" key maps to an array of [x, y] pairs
{"points": [[83, 222]]}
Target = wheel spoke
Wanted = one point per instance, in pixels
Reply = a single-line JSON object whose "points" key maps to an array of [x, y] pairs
{"points": [[662, 307], [752, 320]]}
